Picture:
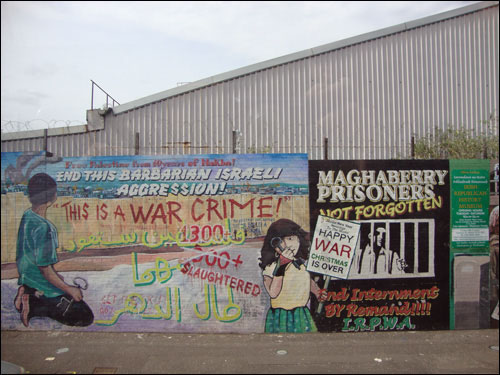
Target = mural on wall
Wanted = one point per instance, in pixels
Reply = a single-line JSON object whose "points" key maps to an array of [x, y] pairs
{"points": [[399, 274], [143, 243], [243, 243]]}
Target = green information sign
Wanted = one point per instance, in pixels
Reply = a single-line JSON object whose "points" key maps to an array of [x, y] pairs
{"points": [[470, 194]]}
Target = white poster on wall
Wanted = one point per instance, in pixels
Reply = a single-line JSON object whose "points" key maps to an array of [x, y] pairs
{"points": [[333, 247]]}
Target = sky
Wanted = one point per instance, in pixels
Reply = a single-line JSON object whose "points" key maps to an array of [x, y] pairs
{"points": [[51, 51]]}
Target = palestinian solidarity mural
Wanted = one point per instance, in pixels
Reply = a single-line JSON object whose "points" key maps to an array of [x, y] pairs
{"points": [[224, 243]]}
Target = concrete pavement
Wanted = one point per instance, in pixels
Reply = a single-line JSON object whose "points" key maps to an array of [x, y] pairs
{"points": [[424, 352]]}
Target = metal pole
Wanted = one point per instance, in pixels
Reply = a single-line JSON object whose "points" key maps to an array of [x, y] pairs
{"points": [[45, 135], [413, 147], [107, 96], [137, 143], [235, 139]]}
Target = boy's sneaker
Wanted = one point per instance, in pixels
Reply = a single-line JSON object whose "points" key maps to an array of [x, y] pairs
{"points": [[18, 299], [26, 309]]}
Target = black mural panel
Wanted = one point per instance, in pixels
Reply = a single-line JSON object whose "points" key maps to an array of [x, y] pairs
{"points": [[399, 277]]}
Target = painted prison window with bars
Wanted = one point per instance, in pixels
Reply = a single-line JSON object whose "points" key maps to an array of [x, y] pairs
{"points": [[411, 245]]}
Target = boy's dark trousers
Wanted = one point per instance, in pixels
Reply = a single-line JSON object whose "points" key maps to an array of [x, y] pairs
{"points": [[62, 308]]}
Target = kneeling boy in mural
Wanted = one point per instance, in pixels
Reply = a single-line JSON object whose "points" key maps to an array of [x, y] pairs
{"points": [[43, 292], [288, 283]]}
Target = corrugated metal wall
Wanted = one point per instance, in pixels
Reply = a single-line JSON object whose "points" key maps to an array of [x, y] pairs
{"points": [[368, 99]]}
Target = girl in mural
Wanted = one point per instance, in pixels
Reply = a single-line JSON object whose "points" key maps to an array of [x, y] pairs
{"points": [[288, 283], [42, 291]]}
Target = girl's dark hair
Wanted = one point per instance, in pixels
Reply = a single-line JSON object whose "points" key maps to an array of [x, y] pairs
{"points": [[283, 228], [41, 189]]}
